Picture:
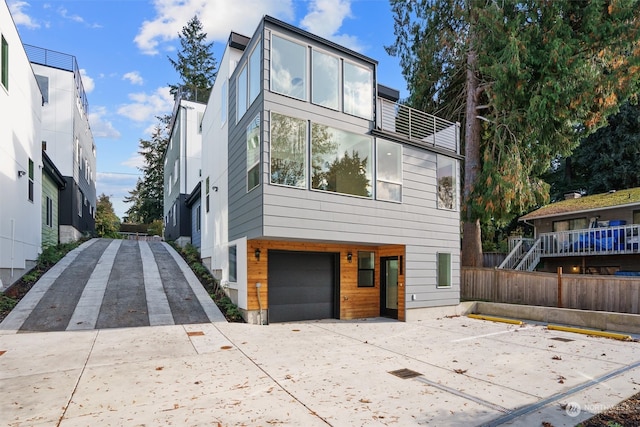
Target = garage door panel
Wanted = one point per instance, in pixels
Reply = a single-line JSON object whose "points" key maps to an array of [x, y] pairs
{"points": [[301, 286]]}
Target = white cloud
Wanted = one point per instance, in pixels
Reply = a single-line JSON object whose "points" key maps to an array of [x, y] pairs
{"points": [[145, 107], [65, 14], [87, 82], [19, 14], [100, 126], [134, 78], [117, 186], [325, 17], [134, 161], [217, 17]]}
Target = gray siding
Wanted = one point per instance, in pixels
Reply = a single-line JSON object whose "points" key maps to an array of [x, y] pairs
{"points": [[245, 208], [416, 222]]}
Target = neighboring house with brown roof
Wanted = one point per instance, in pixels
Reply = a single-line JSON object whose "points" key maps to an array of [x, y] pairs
{"points": [[597, 234]]}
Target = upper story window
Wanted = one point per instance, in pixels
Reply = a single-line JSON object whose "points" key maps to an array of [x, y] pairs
{"points": [[571, 224], [241, 94], [288, 151], [4, 63], [358, 91], [254, 72], [447, 185], [288, 68], [636, 217], [389, 171], [325, 84], [253, 153], [340, 161], [43, 84]]}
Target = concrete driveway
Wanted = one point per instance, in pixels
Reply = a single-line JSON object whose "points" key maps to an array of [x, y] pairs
{"points": [[108, 283], [71, 356], [450, 371]]}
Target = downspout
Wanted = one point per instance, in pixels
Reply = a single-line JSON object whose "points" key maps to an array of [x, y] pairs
{"points": [[13, 243]]}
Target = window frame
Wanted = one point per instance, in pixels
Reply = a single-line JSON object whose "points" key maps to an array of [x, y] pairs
{"points": [[371, 255], [354, 113], [242, 82], [454, 184], [233, 264], [4, 62], [253, 125], [31, 185], [339, 82], [307, 139], [371, 160], [446, 258], [305, 74], [254, 92], [387, 181], [49, 212]]}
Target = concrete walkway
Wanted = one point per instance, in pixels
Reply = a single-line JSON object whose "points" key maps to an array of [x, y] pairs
{"points": [[114, 284]]}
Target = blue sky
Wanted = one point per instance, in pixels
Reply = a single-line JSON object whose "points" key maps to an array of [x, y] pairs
{"points": [[121, 46]]}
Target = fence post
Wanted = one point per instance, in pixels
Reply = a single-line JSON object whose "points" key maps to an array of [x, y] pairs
{"points": [[559, 287]]}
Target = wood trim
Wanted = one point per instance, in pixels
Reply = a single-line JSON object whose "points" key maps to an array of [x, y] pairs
{"points": [[354, 302]]}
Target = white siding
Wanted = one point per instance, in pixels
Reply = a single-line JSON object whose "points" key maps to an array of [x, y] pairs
{"points": [[20, 109]]}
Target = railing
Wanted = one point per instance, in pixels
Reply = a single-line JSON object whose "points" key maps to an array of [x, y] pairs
{"points": [[624, 239], [418, 126], [521, 247], [531, 258], [61, 61], [140, 237]]}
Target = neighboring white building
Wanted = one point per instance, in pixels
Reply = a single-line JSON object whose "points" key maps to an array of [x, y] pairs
{"points": [[215, 127], [20, 156], [182, 162], [324, 198], [67, 138]]}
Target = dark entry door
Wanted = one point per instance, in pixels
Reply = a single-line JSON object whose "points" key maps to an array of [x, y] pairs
{"points": [[389, 287], [302, 286]]}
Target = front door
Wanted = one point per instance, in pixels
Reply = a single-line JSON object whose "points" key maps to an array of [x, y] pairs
{"points": [[389, 287]]}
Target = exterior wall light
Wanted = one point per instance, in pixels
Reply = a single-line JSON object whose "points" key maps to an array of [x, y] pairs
{"points": [[257, 254], [21, 174], [349, 257]]}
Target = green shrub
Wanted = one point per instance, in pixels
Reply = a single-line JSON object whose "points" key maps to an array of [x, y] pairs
{"points": [[7, 303]]}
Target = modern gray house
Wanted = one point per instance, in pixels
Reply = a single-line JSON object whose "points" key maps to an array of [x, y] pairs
{"points": [[322, 196]]}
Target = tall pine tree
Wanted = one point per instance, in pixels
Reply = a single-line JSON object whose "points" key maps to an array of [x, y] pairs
{"points": [[528, 79], [195, 62]]}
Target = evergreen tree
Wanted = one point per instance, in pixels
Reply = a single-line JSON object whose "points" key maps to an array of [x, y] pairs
{"points": [[195, 63], [529, 79], [147, 198], [107, 223], [605, 160]]}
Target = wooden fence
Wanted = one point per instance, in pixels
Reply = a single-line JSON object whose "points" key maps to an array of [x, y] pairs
{"points": [[578, 291]]}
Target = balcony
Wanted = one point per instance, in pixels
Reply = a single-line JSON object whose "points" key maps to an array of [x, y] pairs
{"points": [[418, 127], [617, 240]]}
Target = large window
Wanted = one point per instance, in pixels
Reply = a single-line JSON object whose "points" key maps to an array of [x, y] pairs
{"points": [[341, 161], [636, 217], [288, 151], [241, 94], [389, 171], [366, 269], [446, 175], [4, 63], [288, 68], [358, 91], [325, 84], [444, 270], [253, 153], [43, 83], [254, 73], [233, 264]]}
